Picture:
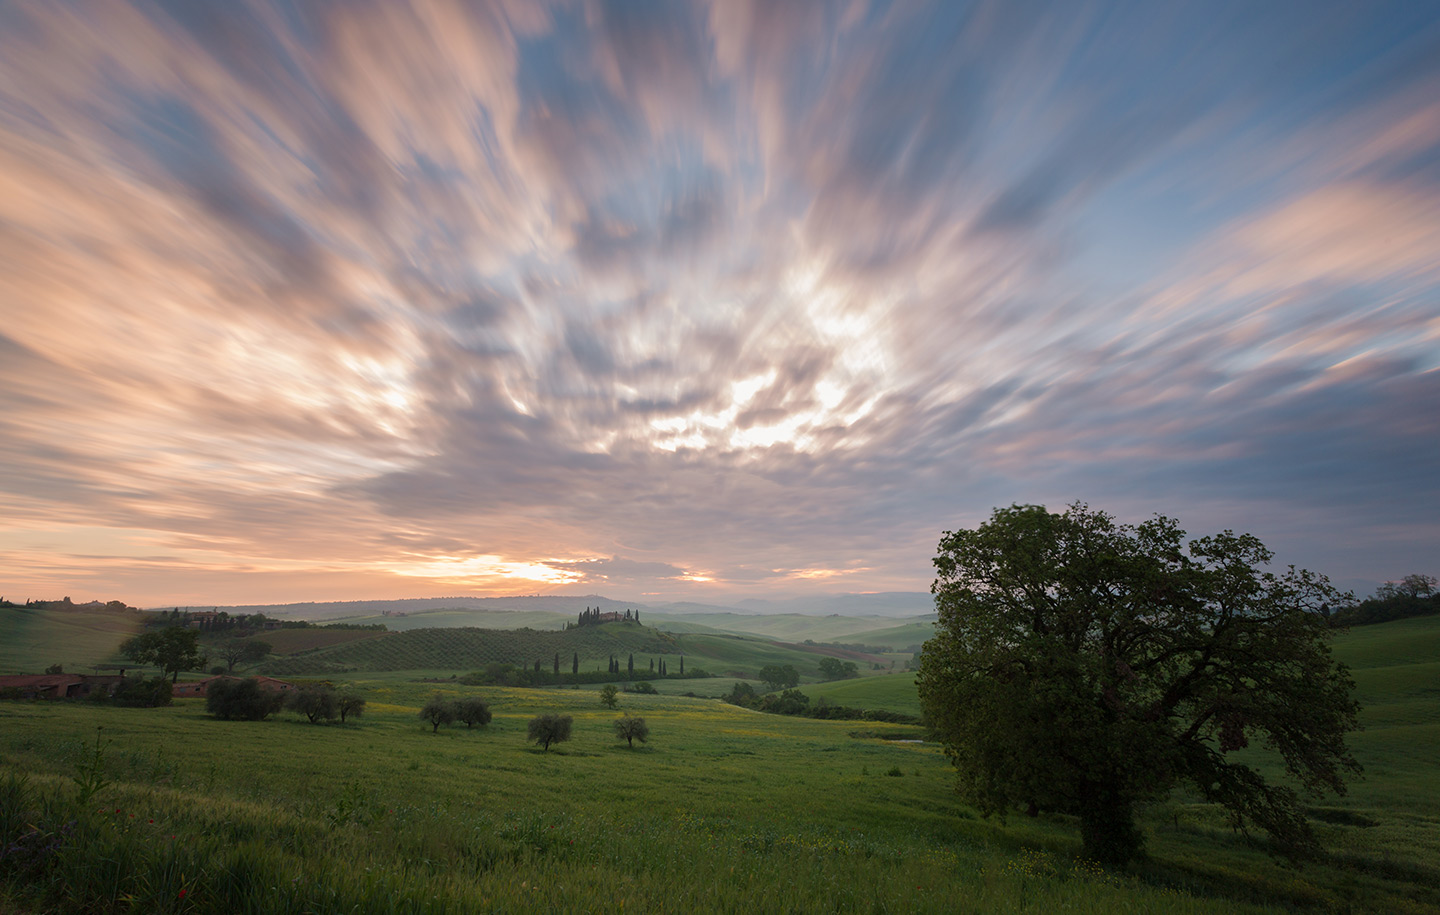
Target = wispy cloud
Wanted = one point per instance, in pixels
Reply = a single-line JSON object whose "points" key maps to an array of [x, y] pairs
{"points": [[703, 299]]}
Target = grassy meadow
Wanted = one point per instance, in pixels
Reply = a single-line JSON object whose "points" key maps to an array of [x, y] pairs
{"points": [[723, 810], [33, 639], [892, 691], [338, 652]]}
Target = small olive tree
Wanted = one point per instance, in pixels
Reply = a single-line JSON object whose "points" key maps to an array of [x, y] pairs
{"points": [[548, 729], [631, 729], [242, 651], [472, 710], [316, 702], [439, 710], [779, 676], [609, 695], [349, 703]]}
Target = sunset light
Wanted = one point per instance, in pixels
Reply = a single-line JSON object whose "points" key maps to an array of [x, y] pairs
{"points": [[388, 299]]}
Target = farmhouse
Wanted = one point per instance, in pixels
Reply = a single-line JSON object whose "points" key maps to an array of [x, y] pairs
{"points": [[58, 686], [593, 617], [199, 687]]}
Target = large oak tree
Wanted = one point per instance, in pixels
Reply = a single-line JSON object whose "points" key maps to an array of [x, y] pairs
{"points": [[1086, 667], [171, 649]]}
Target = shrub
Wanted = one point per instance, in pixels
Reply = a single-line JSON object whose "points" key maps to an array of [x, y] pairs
{"points": [[779, 676], [644, 687], [608, 695], [242, 700], [790, 702], [472, 710], [143, 692], [742, 694]]}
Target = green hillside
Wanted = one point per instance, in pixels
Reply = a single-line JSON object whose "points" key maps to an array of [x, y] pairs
{"points": [[460, 617], [784, 627], [33, 639], [470, 649], [426, 640], [743, 656], [895, 692], [898, 637], [724, 809], [1396, 668], [1397, 680]]}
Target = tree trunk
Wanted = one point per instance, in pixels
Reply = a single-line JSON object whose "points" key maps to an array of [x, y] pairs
{"points": [[1107, 826]]}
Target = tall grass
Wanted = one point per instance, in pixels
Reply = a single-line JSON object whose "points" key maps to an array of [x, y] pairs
{"points": [[162, 851], [723, 810]]}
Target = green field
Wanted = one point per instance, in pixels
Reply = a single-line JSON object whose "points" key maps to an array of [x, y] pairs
{"points": [[723, 810], [466, 618], [32, 640], [785, 627], [895, 692], [897, 637], [462, 650]]}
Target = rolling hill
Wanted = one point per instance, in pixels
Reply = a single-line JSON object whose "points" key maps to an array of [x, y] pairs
{"points": [[466, 649], [32, 639]]}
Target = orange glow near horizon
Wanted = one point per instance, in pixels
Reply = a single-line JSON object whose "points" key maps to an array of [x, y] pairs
{"points": [[722, 300]]}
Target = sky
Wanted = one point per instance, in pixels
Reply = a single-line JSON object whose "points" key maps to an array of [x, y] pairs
{"points": [[704, 301]]}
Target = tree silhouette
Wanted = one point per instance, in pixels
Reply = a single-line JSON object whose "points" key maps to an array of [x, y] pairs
{"points": [[631, 729], [548, 729]]}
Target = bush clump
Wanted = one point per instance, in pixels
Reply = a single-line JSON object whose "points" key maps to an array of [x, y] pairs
{"points": [[144, 692], [241, 700]]}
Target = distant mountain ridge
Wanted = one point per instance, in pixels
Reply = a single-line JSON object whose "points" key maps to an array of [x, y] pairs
{"points": [[320, 610], [891, 605], [896, 604]]}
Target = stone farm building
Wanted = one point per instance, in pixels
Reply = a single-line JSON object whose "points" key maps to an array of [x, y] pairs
{"points": [[199, 687], [59, 686]]}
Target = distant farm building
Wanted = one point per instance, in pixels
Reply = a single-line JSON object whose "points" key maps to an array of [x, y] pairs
{"points": [[596, 616], [194, 688], [58, 686]]}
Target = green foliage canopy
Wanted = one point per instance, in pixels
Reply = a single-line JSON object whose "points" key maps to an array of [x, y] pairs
{"points": [[609, 695], [171, 649], [439, 710], [472, 710], [243, 700], [779, 676], [242, 651], [548, 729], [316, 702], [1087, 667], [349, 704]]}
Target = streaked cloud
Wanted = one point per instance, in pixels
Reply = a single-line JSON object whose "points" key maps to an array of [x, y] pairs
{"points": [[710, 299]]}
